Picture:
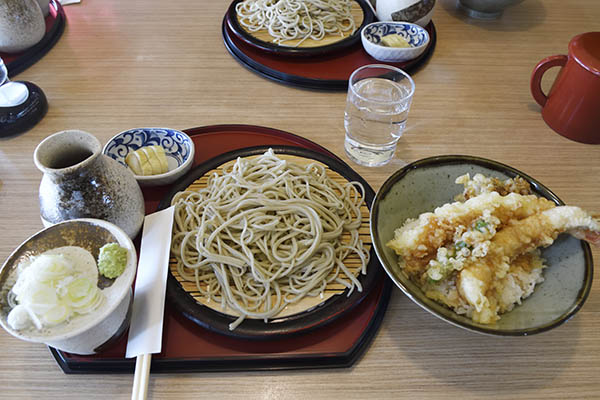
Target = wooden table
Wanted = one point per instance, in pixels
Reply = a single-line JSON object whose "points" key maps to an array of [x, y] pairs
{"points": [[124, 64]]}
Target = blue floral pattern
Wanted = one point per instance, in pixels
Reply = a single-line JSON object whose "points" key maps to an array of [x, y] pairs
{"points": [[414, 34], [176, 144]]}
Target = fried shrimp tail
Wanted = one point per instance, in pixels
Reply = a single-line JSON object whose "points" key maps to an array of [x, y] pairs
{"points": [[540, 230], [590, 236], [475, 282]]}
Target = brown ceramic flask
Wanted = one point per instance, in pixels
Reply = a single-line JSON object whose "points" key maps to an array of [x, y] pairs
{"points": [[572, 107]]}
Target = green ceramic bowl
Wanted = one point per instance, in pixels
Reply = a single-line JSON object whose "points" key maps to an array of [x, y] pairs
{"points": [[426, 184]]}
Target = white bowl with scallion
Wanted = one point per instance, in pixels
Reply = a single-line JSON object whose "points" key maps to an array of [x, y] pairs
{"points": [[69, 286]]}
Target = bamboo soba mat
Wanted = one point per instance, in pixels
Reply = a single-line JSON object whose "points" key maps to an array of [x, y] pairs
{"points": [[352, 261]]}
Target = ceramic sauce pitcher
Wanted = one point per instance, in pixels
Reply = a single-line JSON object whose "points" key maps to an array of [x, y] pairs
{"points": [[22, 25], [81, 182], [415, 11], [572, 106]]}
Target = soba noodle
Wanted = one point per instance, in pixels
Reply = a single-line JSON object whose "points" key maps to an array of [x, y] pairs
{"points": [[266, 233], [297, 19]]}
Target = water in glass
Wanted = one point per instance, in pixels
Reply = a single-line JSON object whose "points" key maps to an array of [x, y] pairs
{"points": [[3, 72], [375, 117]]}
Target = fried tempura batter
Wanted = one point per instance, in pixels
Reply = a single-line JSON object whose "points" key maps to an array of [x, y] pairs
{"points": [[480, 257], [418, 241], [483, 184], [476, 281]]}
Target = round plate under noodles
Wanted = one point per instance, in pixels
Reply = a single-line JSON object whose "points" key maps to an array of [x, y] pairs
{"points": [[310, 313], [331, 43]]}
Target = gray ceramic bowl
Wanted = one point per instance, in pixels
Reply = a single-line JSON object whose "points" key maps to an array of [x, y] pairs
{"points": [[179, 149], [83, 334], [485, 9], [423, 185]]}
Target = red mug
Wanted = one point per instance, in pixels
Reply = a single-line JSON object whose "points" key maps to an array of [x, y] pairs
{"points": [[572, 107]]}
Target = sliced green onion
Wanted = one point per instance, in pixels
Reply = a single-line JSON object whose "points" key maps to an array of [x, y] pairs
{"points": [[480, 225]]}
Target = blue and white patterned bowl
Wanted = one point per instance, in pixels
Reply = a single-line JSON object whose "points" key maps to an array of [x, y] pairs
{"points": [[417, 37], [178, 146]]}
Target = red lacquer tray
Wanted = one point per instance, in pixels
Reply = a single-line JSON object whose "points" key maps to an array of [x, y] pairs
{"points": [[327, 72], [188, 347], [55, 25]]}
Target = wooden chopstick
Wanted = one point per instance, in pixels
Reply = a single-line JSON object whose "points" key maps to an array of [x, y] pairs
{"points": [[141, 377]]}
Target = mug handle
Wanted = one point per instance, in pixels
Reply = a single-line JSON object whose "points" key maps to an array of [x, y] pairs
{"points": [[538, 72]]}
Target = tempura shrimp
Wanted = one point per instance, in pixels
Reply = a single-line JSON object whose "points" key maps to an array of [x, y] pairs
{"points": [[417, 241], [483, 275], [542, 229]]}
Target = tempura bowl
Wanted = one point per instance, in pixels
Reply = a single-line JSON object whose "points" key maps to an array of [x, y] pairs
{"points": [[84, 334], [429, 183]]}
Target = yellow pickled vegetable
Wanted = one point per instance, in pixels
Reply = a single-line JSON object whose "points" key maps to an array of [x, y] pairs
{"points": [[394, 40], [148, 160]]}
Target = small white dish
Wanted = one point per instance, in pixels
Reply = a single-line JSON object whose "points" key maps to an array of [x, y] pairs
{"points": [[87, 333], [179, 149], [416, 36], [13, 94]]}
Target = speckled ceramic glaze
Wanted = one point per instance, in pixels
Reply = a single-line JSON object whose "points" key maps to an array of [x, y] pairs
{"points": [[416, 36], [83, 334], [44, 6], [21, 25], [80, 182], [416, 11], [426, 184], [179, 149]]}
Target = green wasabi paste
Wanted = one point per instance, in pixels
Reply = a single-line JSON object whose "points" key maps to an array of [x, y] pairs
{"points": [[112, 260]]}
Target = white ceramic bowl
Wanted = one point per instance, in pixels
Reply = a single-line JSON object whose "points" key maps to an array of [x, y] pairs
{"points": [[83, 334], [178, 146], [417, 37]]}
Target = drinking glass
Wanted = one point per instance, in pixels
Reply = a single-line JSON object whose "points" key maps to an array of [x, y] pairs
{"points": [[379, 97], [3, 72]]}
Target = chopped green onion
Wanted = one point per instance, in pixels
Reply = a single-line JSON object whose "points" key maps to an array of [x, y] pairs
{"points": [[480, 225], [460, 245]]}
